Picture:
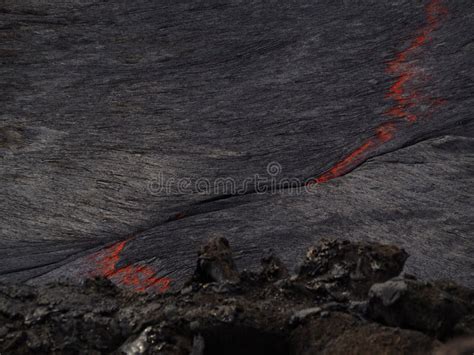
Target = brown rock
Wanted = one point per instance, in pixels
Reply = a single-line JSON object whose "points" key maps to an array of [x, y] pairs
{"points": [[273, 268], [413, 304], [461, 346], [344, 334], [215, 263], [351, 267]]}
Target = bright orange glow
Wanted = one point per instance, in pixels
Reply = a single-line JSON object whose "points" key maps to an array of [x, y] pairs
{"points": [[138, 277], [406, 98]]}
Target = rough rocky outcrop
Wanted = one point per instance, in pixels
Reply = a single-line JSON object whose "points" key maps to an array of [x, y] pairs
{"points": [[347, 268], [433, 308], [220, 310], [215, 263]]}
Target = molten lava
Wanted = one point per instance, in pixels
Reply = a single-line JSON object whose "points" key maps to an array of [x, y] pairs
{"points": [[138, 277], [406, 101], [406, 98]]}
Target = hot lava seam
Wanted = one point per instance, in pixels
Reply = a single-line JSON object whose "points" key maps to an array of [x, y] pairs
{"points": [[406, 98], [140, 278]]}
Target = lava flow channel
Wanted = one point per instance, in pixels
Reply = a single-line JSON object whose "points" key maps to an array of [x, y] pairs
{"points": [[406, 100], [140, 278], [405, 97]]}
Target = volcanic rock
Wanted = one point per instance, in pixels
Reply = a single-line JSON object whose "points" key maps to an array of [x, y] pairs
{"points": [[215, 263], [351, 267], [263, 313], [424, 306]]}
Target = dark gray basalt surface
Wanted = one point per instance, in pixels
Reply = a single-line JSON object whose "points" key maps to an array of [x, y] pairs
{"points": [[99, 99], [342, 300]]}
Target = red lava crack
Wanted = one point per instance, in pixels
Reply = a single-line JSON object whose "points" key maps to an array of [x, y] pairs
{"points": [[140, 278], [406, 98]]}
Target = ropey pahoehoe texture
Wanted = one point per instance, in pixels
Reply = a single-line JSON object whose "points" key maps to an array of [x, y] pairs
{"points": [[100, 100]]}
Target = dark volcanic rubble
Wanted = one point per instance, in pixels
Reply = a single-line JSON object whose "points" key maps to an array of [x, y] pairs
{"points": [[345, 298]]}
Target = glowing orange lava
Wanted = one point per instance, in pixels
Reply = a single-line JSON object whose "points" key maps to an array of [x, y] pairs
{"points": [[384, 133], [406, 100], [405, 97], [138, 277]]}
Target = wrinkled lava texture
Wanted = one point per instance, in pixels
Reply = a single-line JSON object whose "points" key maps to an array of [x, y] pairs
{"points": [[114, 112], [346, 298]]}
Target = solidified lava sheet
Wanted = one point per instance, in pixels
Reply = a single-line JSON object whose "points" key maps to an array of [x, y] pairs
{"points": [[132, 131]]}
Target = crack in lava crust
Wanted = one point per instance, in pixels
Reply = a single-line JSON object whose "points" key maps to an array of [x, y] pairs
{"points": [[406, 99], [140, 278]]}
